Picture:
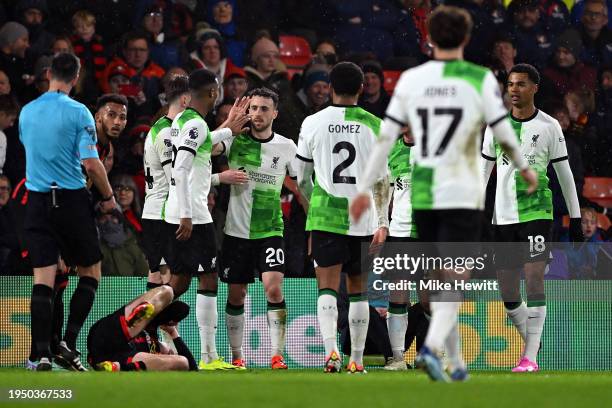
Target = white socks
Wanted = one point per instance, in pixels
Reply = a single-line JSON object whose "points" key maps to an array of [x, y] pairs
{"points": [[453, 349], [518, 316], [397, 324], [536, 315], [443, 317], [234, 319], [277, 324], [327, 314], [359, 319], [206, 315]]}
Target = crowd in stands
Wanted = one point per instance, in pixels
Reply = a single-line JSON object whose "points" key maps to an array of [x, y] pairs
{"points": [[131, 48]]}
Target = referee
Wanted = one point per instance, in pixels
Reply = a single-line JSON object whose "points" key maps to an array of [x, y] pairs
{"points": [[59, 135]]}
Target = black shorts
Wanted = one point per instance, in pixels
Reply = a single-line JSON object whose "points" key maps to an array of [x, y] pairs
{"points": [[185, 257], [109, 340], [154, 242], [242, 258], [68, 229], [400, 246], [329, 249], [535, 238]]}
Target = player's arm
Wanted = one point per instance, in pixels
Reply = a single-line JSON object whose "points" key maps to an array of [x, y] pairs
{"points": [[304, 163], [231, 176], [291, 179], [234, 124], [559, 161], [488, 155], [380, 191], [86, 136]]}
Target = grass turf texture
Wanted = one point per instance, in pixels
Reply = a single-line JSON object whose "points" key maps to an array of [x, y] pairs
{"points": [[266, 388]]}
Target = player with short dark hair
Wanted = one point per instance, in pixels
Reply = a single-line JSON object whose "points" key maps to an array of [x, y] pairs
{"points": [[525, 218], [445, 103], [335, 143], [59, 219]]}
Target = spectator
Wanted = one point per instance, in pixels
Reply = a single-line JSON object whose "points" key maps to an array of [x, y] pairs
{"points": [[582, 260], [374, 98], [315, 93], [9, 244], [223, 111], [61, 43], [221, 16], [419, 10], [533, 40], [567, 73], [9, 109], [166, 50], [131, 160], [555, 14], [268, 72], [235, 84], [13, 45], [129, 201], [33, 14], [5, 84], [88, 45], [483, 32], [602, 121], [210, 53], [143, 73], [170, 73], [327, 50], [504, 55], [121, 255], [578, 9], [596, 36], [579, 105]]}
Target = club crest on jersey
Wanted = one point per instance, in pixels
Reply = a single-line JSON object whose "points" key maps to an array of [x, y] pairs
{"points": [[193, 133], [534, 140], [275, 162]]}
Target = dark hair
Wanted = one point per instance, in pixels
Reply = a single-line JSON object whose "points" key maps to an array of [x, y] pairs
{"points": [[264, 93], [9, 105], [65, 67], [200, 79], [346, 78], [177, 85], [226, 101], [528, 69], [449, 26], [111, 98], [132, 36]]}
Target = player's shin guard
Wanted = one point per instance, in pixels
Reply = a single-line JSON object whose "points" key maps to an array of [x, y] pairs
{"points": [[397, 324], [41, 310], [206, 315], [359, 319], [517, 313], [80, 306], [327, 314], [536, 310], [234, 318], [277, 324], [444, 313]]}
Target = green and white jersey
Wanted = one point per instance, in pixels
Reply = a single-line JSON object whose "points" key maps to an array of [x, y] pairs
{"points": [[254, 209], [446, 104], [338, 139], [190, 136], [400, 170], [542, 142], [157, 168]]}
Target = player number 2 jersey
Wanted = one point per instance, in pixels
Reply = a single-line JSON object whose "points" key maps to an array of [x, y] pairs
{"points": [[542, 141], [339, 140], [254, 209], [190, 132], [446, 103], [400, 170], [157, 168]]}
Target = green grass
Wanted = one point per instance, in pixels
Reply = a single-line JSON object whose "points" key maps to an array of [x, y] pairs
{"points": [[314, 389]]}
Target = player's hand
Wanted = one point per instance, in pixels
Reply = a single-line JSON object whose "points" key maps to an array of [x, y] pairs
{"points": [[575, 230], [183, 233], [309, 244], [360, 204], [382, 312], [378, 240], [530, 176], [170, 329], [233, 176], [238, 116]]}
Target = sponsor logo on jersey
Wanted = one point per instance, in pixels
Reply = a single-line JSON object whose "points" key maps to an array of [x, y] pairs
{"points": [[92, 132], [275, 162], [505, 159], [193, 133]]}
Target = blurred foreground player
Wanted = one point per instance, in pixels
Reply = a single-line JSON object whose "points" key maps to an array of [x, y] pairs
{"points": [[121, 340], [445, 102]]}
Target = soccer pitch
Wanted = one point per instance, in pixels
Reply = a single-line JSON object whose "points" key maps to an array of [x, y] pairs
{"points": [[309, 388]]}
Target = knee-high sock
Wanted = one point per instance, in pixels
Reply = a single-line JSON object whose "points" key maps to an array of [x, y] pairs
{"points": [[397, 324], [443, 318], [234, 319], [327, 314], [359, 319], [453, 348], [183, 350], [206, 315], [61, 281], [536, 311], [41, 310], [517, 312], [80, 305], [277, 324]]}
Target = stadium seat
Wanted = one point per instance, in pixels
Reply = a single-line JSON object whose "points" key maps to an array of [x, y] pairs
{"points": [[391, 78], [603, 222], [599, 190], [294, 51]]}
